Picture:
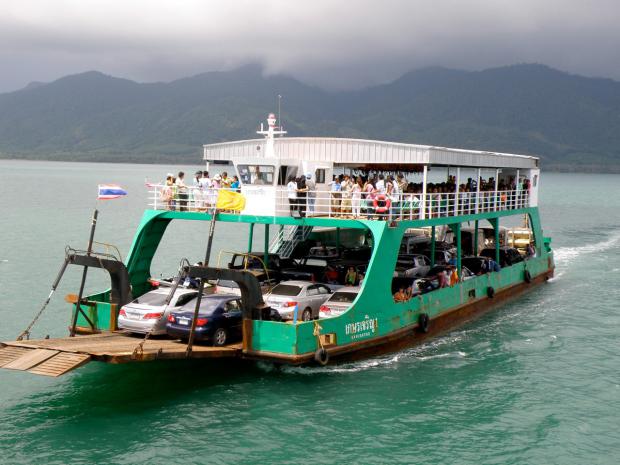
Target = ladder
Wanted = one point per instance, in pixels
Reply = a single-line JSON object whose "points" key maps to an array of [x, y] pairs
{"points": [[288, 237]]}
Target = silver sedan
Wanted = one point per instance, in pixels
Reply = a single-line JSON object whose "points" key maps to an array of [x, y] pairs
{"points": [[305, 295], [148, 313]]}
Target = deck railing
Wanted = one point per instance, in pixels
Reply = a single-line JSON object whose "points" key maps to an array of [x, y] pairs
{"points": [[402, 206]]}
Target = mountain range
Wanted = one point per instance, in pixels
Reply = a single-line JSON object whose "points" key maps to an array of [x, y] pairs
{"points": [[571, 122]]}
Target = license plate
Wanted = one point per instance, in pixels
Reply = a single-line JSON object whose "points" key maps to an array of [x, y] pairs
{"points": [[133, 316], [183, 321]]}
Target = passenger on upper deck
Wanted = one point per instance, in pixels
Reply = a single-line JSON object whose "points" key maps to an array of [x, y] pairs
{"points": [[291, 189]]}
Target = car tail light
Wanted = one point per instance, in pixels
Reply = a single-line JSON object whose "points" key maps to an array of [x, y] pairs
{"points": [[122, 312], [289, 304], [171, 318], [201, 321], [152, 316], [325, 309], [154, 284]]}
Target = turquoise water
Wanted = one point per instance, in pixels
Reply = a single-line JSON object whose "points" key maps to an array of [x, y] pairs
{"points": [[535, 382]]}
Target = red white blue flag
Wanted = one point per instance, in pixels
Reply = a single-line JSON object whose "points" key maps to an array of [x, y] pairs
{"points": [[110, 191]]}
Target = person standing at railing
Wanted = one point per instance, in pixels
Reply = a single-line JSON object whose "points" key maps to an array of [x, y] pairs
{"points": [[167, 193], [182, 193], [394, 194], [336, 196], [356, 197], [311, 193], [291, 189], [196, 197], [235, 185], [302, 196], [345, 187]]}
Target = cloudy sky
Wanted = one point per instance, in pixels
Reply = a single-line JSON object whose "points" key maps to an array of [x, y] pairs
{"points": [[334, 44]]}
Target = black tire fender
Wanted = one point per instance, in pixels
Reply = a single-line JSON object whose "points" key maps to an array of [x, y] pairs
{"points": [[527, 276], [321, 356], [490, 292], [423, 322]]}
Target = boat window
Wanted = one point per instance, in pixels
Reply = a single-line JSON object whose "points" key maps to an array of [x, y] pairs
{"points": [[256, 174], [286, 172], [152, 298], [319, 176], [287, 290], [535, 180], [343, 297]]}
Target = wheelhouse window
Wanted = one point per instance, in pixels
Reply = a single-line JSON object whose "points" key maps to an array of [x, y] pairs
{"points": [[256, 174], [285, 173]]}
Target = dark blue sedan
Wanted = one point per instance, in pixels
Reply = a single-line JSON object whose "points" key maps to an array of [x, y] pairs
{"points": [[218, 322]]}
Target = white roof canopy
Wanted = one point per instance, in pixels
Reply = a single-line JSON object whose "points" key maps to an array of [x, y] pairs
{"points": [[358, 152]]}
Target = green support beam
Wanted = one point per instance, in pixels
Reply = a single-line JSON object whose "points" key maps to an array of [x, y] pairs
{"points": [[266, 248], [432, 246], [475, 251], [250, 237]]}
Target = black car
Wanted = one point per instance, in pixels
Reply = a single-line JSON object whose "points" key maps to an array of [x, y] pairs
{"points": [[476, 264], [507, 255], [218, 322]]}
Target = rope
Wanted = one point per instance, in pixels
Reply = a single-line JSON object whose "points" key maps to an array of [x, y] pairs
{"points": [[138, 351], [317, 332], [26, 332]]}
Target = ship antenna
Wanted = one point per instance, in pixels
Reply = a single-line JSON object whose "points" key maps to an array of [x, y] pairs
{"points": [[279, 112]]}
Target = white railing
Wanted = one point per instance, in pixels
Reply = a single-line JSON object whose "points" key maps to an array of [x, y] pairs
{"points": [[192, 199], [400, 206], [405, 206]]}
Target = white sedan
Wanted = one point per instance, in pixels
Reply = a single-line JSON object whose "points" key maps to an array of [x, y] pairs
{"points": [[305, 295], [148, 313]]}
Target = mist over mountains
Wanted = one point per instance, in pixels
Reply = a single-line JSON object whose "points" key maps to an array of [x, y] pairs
{"points": [[571, 122]]}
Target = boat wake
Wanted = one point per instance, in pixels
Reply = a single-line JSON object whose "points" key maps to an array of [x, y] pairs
{"points": [[565, 255], [422, 353]]}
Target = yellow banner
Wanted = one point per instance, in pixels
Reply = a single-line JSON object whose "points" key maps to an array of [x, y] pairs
{"points": [[229, 200]]}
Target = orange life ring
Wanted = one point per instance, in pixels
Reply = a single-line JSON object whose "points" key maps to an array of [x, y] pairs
{"points": [[385, 207]]}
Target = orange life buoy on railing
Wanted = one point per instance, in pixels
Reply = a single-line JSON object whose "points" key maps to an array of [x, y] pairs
{"points": [[385, 204]]}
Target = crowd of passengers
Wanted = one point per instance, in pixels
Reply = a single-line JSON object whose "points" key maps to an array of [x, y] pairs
{"points": [[393, 197], [199, 195]]}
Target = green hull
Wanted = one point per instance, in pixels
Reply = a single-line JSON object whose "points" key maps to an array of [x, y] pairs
{"points": [[374, 316]]}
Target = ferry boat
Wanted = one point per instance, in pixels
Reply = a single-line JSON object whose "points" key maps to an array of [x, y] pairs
{"points": [[462, 198]]}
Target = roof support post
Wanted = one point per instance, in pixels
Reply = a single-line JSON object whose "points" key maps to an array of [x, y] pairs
{"points": [[475, 251], [456, 229], [456, 192], [517, 186], [478, 191], [496, 184], [424, 179]]}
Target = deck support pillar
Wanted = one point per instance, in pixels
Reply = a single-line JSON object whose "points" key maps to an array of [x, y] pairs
{"points": [[475, 248], [266, 248], [456, 194], [250, 237], [432, 246], [478, 192], [338, 240], [495, 223], [459, 252]]}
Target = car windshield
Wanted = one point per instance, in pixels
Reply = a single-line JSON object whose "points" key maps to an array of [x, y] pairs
{"points": [[151, 298], [288, 290], [206, 305], [343, 297]]}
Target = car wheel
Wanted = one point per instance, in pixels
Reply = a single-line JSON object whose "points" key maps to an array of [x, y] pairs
{"points": [[220, 336], [306, 315]]}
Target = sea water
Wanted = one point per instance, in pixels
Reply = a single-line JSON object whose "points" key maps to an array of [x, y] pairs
{"points": [[535, 382]]}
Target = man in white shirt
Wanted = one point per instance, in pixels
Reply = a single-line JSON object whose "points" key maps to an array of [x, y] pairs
{"points": [[182, 191]]}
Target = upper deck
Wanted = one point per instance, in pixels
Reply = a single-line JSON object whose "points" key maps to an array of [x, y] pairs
{"points": [[354, 178]]}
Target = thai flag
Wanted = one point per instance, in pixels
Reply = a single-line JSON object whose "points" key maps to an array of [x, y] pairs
{"points": [[110, 191]]}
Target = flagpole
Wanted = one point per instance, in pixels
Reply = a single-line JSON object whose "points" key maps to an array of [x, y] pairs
{"points": [[89, 250]]}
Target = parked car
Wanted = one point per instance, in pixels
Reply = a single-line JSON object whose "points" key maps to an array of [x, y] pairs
{"points": [[339, 302], [507, 255], [226, 286], [477, 265], [411, 266], [322, 251], [305, 295], [219, 320], [148, 312], [442, 256]]}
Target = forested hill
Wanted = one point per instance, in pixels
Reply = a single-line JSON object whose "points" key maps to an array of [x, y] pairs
{"points": [[571, 122]]}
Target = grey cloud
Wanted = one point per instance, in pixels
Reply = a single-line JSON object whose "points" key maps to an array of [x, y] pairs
{"points": [[331, 44]]}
